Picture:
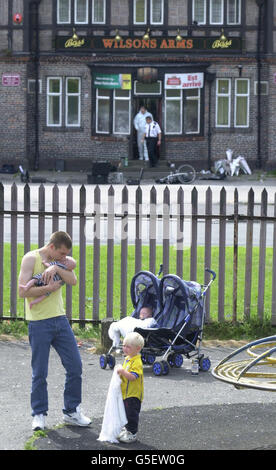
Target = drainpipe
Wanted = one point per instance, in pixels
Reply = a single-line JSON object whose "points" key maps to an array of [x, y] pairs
{"points": [[34, 7], [260, 4]]}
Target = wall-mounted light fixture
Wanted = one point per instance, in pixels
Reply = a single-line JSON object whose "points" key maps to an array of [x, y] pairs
{"points": [[75, 36], [147, 34], [178, 36], [117, 36], [222, 36]]}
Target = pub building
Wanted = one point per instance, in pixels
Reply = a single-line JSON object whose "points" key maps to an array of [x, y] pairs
{"points": [[74, 73]]}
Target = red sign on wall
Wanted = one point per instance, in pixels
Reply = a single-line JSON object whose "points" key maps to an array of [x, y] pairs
{"points": [[10, 79]]}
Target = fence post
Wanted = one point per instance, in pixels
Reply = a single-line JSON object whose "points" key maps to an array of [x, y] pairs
{"points": [[273, 302], [235, 258], [138, 225], [27, 219], [55, 207], [110, 253], [124, 251], [69, 230], [222, 238], [208, 242], [1, 249], [248, 261], [193, 266], [262, 256], [180, 232], [166, 230], [13, 291], [152, 231], [41, 217], [82, 257], [96, 253]]}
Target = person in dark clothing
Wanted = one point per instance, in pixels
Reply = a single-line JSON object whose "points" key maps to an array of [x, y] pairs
{"points": [[153, 139]]}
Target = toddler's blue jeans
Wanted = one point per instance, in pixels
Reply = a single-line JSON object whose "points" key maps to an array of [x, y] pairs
{"points": [[54, 332]]}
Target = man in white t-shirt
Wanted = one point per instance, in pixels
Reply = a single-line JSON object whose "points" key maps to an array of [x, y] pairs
{"points": [[140, 124]]}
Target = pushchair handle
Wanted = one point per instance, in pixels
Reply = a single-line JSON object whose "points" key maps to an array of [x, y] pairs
{"points": [[211, 272]]}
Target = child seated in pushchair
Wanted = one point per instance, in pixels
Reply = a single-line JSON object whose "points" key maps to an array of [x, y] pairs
{"points": [[128, 324]]}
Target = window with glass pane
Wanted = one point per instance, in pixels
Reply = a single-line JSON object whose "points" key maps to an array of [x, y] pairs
{"points": [[216, 11], [233, 11], [199, 11], [73, 102], [139, 11], [98, 11], [192, 112], [157, 7], [64, 11], [242, 103], [223, 103], [81, 11], [121, 112], [54, 91], [173, 112], [102, 111]]}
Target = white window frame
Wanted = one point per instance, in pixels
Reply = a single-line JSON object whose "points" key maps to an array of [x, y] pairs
{"points": [[205, 9], [75, 13], [60, 101], [100, 97], [151, 13], [221, 15], [120, 98], [195, 98], [69, 13], [174, 98], [264, 90], [242, 95], [104, 14], [239, 12], [150, 93], [221, 95], [67, 95], [134, 13]]}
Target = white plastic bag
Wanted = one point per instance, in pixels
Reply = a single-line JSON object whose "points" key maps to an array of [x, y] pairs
{"points": [[114, 418]]}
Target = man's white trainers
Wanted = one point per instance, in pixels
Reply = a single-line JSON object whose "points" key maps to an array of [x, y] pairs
{"points": [[77, 418], [127, 437], [38, 422]]}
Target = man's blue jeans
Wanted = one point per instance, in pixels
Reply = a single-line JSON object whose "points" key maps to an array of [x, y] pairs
{"points": [[54, 332]]}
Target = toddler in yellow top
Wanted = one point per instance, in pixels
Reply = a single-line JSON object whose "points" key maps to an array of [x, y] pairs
{"points": [[131, 373]]}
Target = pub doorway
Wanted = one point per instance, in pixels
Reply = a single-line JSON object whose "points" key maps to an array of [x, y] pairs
{"points": [[154, 106]]}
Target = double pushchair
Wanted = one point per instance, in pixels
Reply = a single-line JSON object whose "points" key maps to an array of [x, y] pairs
{"points": [[178, 307]]}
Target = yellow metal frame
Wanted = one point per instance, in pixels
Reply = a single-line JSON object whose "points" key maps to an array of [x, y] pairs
{"points": [[238, 373]]}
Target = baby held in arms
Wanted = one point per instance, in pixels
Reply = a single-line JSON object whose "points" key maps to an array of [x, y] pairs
{"points": [[69, 263], [128, 324]]}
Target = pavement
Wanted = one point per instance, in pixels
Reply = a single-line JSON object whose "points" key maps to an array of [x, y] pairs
{"points": [[180, 412], [259, 178]]}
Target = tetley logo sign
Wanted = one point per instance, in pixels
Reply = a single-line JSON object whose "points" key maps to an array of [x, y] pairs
{"points": [[187, 44]]}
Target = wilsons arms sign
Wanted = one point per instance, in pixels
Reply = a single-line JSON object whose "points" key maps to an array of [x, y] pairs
{"points": [[160, 44]]}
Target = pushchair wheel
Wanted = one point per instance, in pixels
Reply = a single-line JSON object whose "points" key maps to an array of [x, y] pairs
{"points": [[111, 361], [103, 361], [160, 368], [177, 360], [157, 368], [204, 363], [150, 359]]}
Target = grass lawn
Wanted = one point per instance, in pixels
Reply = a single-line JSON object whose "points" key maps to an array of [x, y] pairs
{"points": [[145, 266]]}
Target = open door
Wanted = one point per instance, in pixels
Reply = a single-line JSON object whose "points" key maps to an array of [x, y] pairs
{"points": [[154, 106]]}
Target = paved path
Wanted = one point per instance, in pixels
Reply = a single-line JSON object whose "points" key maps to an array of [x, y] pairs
{"points": [[180, 411]]}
